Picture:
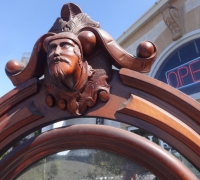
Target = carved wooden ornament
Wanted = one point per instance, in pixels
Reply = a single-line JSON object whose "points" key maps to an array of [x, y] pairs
{"points": [[76, 58]]}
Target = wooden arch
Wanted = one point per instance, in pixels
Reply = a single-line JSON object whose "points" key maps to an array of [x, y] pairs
{"points": [[93, 89], [97, 137], [135, 99]]}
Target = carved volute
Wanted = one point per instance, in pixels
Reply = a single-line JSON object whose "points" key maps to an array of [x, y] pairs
{"points": [[76, 58]]}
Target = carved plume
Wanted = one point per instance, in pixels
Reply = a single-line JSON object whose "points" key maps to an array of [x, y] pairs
{"points": [[78, 22], [72, 20]]}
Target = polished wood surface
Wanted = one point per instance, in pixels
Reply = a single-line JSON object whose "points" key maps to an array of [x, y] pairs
{"points": [[18, 94], [124, 143], [165, 92], [121, 58], [143, 109], [119, 95], [91, 88], [145, 49], [35, 67], [77, 24], [14, 66]]}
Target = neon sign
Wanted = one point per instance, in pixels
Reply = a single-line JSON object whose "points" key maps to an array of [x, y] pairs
{"points": [[184, 75]]}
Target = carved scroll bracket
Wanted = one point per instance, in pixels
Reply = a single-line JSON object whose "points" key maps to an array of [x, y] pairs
{"points": [[172, 17]]}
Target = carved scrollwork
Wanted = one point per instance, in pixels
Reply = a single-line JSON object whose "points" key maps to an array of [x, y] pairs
{"points": [[172, 19], [76, 58]]}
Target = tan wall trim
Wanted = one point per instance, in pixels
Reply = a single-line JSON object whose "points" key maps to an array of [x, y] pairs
{"points": [[143, 19]]}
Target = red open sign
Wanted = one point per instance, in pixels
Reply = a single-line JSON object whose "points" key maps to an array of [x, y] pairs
{"points": [[184, 75]]}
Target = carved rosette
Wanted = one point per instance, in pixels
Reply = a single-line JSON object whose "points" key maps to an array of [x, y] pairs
{"points": [[172, 19]]}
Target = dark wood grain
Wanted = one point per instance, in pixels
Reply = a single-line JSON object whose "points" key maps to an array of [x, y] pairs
{"points": [[119, 94], [143, 109], [77, 84], [18, 94], [132, 146], [162, 91]]}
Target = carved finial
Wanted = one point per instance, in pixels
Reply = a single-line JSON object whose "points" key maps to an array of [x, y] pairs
{"points": [[72, 20], [69, 11], [14, 66], [145, 49]]}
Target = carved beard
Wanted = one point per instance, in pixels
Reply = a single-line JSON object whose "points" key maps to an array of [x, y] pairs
{"points": [[56, 67]]}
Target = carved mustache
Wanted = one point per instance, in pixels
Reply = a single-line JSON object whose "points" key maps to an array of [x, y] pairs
{"points": [[58, 59]]}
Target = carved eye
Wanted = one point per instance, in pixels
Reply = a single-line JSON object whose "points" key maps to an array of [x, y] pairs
{"points": [[52, 47], [66, 46]]}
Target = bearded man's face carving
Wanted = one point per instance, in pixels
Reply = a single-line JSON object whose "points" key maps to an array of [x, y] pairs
{"points": [[63, 58]]}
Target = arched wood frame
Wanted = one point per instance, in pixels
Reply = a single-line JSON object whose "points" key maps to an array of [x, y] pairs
{"points": [[111, 139], [135, 99]]}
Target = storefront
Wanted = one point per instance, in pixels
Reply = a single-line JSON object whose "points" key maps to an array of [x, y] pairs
{"points": [[174, 27]]}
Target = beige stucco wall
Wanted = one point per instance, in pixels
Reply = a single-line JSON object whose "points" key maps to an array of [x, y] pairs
{"points": [[139, 33], [157, 31], [192, 19]]}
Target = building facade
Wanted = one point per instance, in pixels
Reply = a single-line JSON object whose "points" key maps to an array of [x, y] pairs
{"points": [[174, 27]]}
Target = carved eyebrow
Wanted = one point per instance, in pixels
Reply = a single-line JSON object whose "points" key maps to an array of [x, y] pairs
{"points": [[67, 42], [52, 46]]}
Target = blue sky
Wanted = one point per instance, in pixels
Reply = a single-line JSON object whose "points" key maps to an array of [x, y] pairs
{"points": [[24, 21]]}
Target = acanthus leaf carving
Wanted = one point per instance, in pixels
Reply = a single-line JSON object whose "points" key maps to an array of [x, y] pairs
{"points": [[77, 102]]}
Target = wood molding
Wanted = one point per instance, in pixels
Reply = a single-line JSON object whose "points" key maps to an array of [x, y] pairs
{"points": [[119, 94], [16, 121], [132, 146], [163, 91], [76, 58], [142, 109], [18, 94]]}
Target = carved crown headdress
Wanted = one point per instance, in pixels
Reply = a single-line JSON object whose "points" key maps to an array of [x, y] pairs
{"points": [[72, 20]]}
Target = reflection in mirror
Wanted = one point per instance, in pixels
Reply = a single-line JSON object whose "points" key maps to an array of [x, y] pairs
{"points": [[165, 146], [108, 122], [64, 123], [85, 164]]}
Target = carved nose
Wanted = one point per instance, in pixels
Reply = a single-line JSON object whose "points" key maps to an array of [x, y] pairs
{"points": [[57, 51]]}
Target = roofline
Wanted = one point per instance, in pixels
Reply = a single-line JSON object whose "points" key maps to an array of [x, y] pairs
{"points": [[142, 20]]}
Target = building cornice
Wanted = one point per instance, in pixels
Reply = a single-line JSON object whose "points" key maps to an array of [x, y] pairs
{"points": [[155, 9]]}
